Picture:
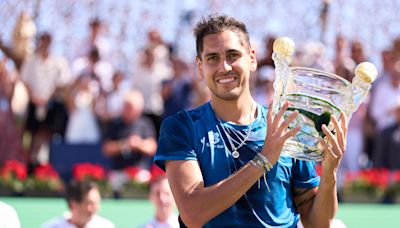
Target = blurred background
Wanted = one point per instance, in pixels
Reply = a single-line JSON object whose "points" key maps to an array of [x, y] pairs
{"points": [[84, 86]]}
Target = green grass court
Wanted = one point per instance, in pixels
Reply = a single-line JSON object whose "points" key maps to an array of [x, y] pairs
{"points": [[132, 213]]}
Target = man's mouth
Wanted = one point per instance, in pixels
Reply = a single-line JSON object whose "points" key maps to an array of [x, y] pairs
{"points": [[226, 80]]}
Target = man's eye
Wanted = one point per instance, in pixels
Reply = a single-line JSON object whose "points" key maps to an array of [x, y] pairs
{"points": [[233, 55], [212, 59]]}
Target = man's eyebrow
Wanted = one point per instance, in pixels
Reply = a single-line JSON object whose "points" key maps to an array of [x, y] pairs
{"points": [[233, 50], [210, 54]]}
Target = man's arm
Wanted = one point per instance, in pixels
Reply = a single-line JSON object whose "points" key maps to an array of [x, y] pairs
{"points": [[318, 206], [198, 204], [146, 146]]}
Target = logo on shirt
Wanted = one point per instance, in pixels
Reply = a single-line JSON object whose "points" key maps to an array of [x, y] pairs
{"points": [[213, 139]]}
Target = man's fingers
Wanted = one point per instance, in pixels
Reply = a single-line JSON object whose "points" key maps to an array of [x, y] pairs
{"points": [[343, 120], [339, 132], [331, 138], [286, 123], [278, 116], [327, 148], [269, 115], [289, 134]]}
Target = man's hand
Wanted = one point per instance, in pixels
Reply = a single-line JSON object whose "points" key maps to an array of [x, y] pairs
{"points": [[277, 133], [135, 141], [334, 150]]}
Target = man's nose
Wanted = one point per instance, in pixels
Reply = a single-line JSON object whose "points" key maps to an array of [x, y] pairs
{"points": [[224, 66]]}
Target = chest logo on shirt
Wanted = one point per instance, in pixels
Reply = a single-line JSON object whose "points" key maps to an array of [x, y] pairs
{"points": [[213, 140]]}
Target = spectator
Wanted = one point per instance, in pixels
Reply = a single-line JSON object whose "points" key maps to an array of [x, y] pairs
{"points": [[264, 90], [97, 68], [343, 63], [267, 59], [45, 76], [163, 201], [95, 40], [385, 98], [10, 134], [112, 102], [148, 79], [130, 140], [82, 125], [8, 216], [386, 154], [176, 91], [83, 200]]}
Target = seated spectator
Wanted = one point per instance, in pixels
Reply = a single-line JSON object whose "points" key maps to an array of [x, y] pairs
{"points": [[8, 216], [163, 201], [130, 140], [83, 200], [176, 91]]}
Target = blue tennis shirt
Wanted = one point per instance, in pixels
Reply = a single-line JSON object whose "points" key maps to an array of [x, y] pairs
{"points": [[200, 136]]}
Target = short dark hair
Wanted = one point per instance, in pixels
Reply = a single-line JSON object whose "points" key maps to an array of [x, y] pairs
{"points": [[45, 36], [216, 23], [77, 190]]}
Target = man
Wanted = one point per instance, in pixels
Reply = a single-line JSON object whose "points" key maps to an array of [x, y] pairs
{"points": [[163, 201], [8, 216], [215, 155], [130, 140], [46, 78], [83, 200]]}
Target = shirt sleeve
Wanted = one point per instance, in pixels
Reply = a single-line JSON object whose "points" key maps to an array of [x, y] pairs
{"points": [[176, 141], [305, 175]]}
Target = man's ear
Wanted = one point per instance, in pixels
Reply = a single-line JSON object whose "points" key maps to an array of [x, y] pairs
{"points": [[199, 67], [253, 60]]}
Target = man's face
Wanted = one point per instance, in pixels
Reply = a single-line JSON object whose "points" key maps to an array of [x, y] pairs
{"points": [[226, 64], [131, 111], [88, 207], [161, 197]]}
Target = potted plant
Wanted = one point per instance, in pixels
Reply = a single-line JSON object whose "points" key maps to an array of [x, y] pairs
{"points": [[13, 175], [45, 181], [93, 172], [366, 186], [137, 182], [393, 190]]}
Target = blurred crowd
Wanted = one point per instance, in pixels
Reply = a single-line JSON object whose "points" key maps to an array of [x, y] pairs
{"points": [[47, 99]]}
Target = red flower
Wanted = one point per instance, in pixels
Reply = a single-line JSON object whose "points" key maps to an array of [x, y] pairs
{"points": [[396, 176], [45, 172], [13, 167], [155, 172], [137, 174], [375, 177], [88, 171]]}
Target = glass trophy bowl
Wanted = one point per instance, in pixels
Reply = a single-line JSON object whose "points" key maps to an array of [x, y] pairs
{"points": [[317, 95]]}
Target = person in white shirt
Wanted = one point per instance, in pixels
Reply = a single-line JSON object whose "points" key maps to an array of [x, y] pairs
{"points": [[164, 203], [385, 98], [83, 198], [8, 216], [46, 77]]}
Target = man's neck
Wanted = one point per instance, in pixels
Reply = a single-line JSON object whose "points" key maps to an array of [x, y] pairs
{"points": [[77, 222], [43, 54], [162, 217], [241, 111]]}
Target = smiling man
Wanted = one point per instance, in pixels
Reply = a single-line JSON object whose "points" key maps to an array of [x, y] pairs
{"points": [[83, 198], [223, 160]]}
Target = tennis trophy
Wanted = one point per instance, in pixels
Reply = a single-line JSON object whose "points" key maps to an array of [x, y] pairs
{"points": [[317, 95]]}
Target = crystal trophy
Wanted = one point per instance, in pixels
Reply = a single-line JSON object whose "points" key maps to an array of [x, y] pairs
{"points": [[317, 95]]}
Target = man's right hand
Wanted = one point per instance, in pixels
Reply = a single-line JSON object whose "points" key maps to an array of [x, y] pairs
{"points": [[277, 133]]}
